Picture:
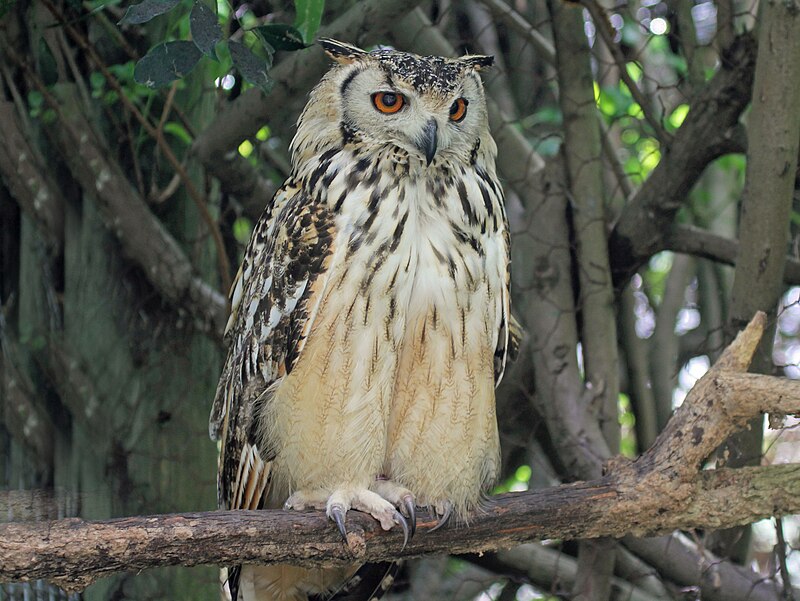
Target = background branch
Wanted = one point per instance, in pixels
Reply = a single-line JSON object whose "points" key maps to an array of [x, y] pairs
{"points": [[639, 232]]}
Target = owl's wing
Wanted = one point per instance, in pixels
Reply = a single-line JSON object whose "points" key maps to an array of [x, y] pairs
{"points": [[273, 303], [510, 331]]}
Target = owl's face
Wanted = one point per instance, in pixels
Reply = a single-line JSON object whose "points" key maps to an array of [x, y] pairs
{"points": [[428, 106]]}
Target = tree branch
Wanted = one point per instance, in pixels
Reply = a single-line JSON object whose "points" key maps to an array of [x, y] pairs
{"points": [[703, 243], [143, 238], [661, 491], [704, 135], [687, 564], [73, 552], [606, 31], [31, 185]]}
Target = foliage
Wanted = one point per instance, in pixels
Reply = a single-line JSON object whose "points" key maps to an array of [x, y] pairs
{"points": [[173, 60]]}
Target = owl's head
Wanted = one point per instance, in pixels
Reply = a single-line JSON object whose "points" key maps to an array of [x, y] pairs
{"points": [[429, 106]]}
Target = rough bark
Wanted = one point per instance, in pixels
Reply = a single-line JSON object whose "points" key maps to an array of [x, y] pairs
{"points": [[773, 136], [584, 169], [663, 490]]}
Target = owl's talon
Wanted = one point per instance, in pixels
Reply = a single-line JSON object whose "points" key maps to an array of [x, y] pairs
{"points": [[337, 514], [410, 507], [400, 519], [445, 517]]}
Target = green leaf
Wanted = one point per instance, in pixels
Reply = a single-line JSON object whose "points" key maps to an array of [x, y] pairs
{"points": [[179, 131], [166, 62], [253, 68], [282, 37], [144, 11], [309, 16], [205, 29], [242, 228]]}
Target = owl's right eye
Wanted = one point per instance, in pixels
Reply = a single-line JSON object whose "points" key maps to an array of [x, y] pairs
{"points": [[388, 102]]}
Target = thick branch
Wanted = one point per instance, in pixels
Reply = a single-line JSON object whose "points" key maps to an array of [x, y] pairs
{"points": [[21, 168], [659, 492], [74, 552], [703, 136]]}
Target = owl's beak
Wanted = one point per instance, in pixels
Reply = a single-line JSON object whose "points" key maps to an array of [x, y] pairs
{"points": [[427, 141]]}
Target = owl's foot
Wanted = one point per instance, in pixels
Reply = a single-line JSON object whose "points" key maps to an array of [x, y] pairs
{"points": [[400, 497], [339, 502]]}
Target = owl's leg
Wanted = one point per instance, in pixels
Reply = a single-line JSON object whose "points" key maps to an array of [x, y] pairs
{"points": [[400, 497], [339, 502]]}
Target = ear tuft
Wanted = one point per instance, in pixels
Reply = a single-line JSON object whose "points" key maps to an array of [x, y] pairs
{"points": [[342, 52], [478, 61]]}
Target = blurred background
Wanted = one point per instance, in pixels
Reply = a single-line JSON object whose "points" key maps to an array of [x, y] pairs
{"points": [[628, 147]]}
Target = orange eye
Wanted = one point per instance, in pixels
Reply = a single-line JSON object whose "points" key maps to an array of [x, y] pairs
{"points": [[459, 110], [388, 102]]}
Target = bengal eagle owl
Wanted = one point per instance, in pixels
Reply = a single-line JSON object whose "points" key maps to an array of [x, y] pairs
{"points": [[370, 315]]}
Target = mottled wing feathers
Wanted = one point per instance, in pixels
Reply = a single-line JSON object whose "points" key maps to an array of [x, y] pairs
{"points": [[509, 328], [246, 277], [273, 301]]}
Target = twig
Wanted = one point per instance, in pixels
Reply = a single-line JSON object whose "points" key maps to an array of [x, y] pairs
{"points": [[606, 31], [519, 24]]}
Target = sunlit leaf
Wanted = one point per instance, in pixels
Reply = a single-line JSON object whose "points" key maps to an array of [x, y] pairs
{"points": [[166, 62], [205, 29], [263, 133], [309, 16], [35, 99], [282, 37], [144, 11], [253, 68], [678, 115], [523, 473], [242, 228], [97, 80], [246, 148]]}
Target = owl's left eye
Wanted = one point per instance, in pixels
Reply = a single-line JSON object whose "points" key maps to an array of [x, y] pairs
{"points": [[459, 110], [388, 102]]}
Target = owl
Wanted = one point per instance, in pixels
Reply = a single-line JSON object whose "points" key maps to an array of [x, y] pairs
{"points": [[370, 316]]}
